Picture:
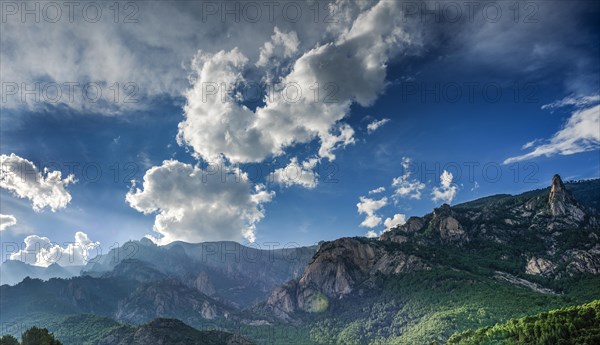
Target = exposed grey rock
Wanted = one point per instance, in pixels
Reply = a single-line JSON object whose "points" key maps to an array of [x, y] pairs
{"points": [[449, 227], [584, 261], [203, 284], [540, 266], [562, 203], [503, 276], [398, 233]]}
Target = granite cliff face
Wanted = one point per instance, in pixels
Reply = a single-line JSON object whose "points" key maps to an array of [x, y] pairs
{"points": [[547, 224], [340, 267]]}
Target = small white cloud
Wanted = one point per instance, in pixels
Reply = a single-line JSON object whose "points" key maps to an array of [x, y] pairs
{"points": [[405, 186], [6, 221], [332, 141], [40, 251], [368, 207], [371, 234], [295, 173], [377, 190], [530, 144], [43, 188], [475, 186], [446, 192], [375, 125], [398, 219], [579, 134]]}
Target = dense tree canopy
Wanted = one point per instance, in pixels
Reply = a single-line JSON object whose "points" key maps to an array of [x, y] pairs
{"points": [[32, 336], [8, 340]]}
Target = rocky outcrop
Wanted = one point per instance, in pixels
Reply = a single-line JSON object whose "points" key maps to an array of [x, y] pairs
{"points": [[539, 266], [398, 233], [449, 228], [584, 261], [562, 203], [503, 276], [575, 261], [338, 269]]}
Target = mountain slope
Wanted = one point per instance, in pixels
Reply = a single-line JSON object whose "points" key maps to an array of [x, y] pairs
{"points": [[172, 332], [540, 248], [34, 302], [14, 271], [571, 325], [232, 272], [460, 267]]}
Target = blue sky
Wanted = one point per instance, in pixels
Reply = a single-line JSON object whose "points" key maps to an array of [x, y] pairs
{"points": [[546, 70]]}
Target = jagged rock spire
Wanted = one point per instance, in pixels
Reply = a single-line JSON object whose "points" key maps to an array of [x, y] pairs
{"points": [[559, 197], [562, 202]]}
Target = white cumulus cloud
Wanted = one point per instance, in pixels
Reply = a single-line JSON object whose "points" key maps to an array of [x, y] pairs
{"points": [[446, 192], [371, 234], [296, 173], [405, 186], [342, 72], [398, 219], [369, 207], [40, 251], [282, 44], [43, 188], [194, 204]]}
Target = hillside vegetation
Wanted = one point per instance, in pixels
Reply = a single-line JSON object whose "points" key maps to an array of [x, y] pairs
{"points": [[572, 325]]}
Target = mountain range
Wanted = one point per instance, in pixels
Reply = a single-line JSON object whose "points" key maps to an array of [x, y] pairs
{"points": [[457, 268]]}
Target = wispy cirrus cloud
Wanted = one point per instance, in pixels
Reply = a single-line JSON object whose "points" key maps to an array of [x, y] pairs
{"points": [[582, 101], [579, 134]]}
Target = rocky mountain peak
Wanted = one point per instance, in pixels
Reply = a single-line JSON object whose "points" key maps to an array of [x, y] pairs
{"points": [[562, 203], [559, 195], [557, 183]]}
